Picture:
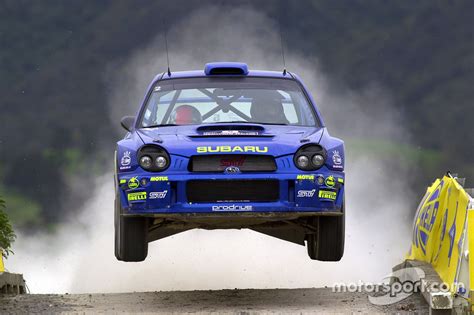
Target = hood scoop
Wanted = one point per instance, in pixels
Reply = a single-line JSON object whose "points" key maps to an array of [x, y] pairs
{"points": [[234, 130]]}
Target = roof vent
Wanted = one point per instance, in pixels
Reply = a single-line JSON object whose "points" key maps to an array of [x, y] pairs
{"points": [[226, 68]]}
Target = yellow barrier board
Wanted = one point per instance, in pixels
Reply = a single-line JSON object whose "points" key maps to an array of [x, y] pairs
{"points": [[470, 236], [438, 232], [2, 267]]}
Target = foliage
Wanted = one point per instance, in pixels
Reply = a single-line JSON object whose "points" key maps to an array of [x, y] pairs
{"points": [[22, 211], [7, 236]]}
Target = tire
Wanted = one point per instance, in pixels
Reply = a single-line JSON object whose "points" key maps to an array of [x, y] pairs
{"points": [[131, 233], [327, 243], [117, 229]]}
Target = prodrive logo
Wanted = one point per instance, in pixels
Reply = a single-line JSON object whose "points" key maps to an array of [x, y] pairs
{"points": [[232, 208]]}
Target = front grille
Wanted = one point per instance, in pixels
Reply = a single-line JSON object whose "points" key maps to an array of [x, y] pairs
{"points": [[218, 163], [232, 190]]}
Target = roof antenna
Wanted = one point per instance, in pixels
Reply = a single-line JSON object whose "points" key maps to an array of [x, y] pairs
{"points": [[282, 49], [166, 45]]}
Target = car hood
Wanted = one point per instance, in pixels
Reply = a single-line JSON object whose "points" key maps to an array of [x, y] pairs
{"points": [[190, 140]]}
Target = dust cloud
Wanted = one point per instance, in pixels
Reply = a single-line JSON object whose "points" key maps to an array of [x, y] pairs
{"points": [[79, 257]]}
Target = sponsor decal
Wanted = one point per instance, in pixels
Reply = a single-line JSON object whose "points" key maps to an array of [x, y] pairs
{"points": [[306, 193], [305, 177], [443, 229], [122, 181], [133, 183], [230, 133], [159, 179], [231, 149], [232, 208], [324, 194], [232, 170], [137, 196], [330, 181], [236, 161], [158, 194], [125, 161], [340, 180], [336, 159]]}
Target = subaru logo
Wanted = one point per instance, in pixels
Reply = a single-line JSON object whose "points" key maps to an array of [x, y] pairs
{"points": [[232, 170]]}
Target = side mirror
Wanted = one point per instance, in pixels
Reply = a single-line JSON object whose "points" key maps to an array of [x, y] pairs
{"points": [[127, 122]]}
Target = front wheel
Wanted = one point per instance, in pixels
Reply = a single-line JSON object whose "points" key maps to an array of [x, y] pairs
{"points": [[131, 233], [327, 243]]}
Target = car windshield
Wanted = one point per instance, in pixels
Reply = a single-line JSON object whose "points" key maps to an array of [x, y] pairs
{"points": [[227, 100]]}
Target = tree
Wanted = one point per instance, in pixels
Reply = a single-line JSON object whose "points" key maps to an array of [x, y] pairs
{"points": [[7, 236]]}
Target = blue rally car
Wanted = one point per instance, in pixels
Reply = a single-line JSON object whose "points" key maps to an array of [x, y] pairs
{"points": [[229, 148]]}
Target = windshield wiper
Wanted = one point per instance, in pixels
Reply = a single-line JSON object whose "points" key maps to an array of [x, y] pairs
{"points": [[162, 125], [279, 124], [232, 122]]}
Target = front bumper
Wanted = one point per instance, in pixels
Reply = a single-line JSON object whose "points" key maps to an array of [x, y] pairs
{"points": [[144, 193]]}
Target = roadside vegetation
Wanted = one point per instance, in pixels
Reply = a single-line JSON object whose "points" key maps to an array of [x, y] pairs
{"points": [[7, 236]]}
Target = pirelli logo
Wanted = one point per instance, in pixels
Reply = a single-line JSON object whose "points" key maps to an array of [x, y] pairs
{"points": [[137, 196], [324, 194], [232, 149]]}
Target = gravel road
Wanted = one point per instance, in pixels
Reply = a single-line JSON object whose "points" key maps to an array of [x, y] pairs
{"points": [[321, 300]]}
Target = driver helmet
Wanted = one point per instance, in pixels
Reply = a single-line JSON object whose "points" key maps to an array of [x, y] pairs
{"points": [[186, 115], [268, 108]]}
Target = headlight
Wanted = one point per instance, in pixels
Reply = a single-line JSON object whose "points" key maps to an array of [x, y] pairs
{"points": [[310, 157], [318, 160], [153, 158], [161, 162], [146, 162], [302, 161]]}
